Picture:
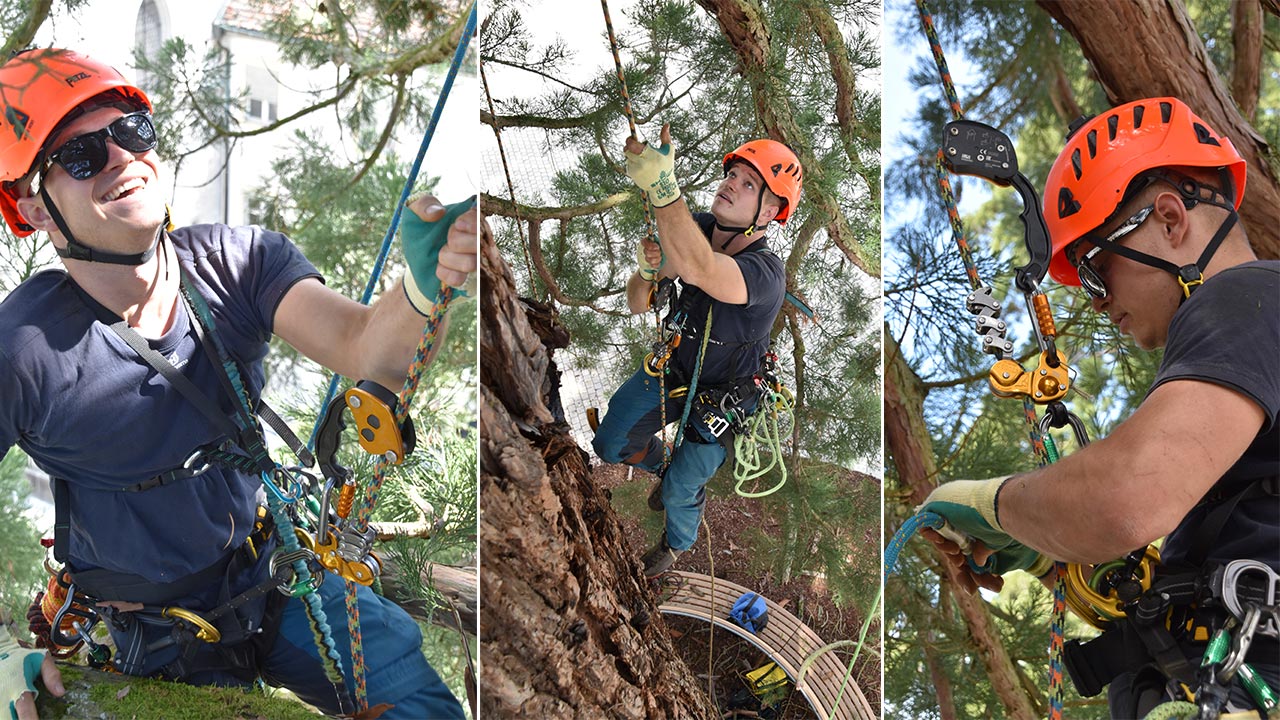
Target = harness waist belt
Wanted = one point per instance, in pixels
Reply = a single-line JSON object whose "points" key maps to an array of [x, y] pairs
{"points": [[104, 584]]}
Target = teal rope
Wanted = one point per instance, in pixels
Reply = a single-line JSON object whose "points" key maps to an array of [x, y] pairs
{"points": [[693, 384]]}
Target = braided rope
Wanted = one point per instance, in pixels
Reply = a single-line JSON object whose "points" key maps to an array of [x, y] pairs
{"points": [[1042, 446], [357, 644], [649, 228], [321, 632], [626, 107], [417, 368], [1057, 641]]}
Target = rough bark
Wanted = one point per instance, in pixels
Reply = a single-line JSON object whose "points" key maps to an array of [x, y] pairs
{"points": [[908, 444], [941, 683], [1149, 48], [569, 629], [743, 25]]}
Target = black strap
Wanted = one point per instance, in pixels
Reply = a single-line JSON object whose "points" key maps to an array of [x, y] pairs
{"points": [[1206, 534], [61, 519], [179, 381], [77, 250]]}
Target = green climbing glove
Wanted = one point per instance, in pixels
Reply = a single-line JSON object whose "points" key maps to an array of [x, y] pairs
{"points": [[422, 242], [647, 270], [653, 171], [19, 668], [969, 508]]}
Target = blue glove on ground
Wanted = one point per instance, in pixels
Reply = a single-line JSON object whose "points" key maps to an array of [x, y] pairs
{"points": [[970, 510], [422, 242]]}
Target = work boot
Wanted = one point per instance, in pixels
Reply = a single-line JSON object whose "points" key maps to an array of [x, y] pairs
{"points": [[655, 497], [660, 558]]}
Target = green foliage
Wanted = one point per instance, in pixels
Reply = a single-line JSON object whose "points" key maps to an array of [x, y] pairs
{"points": [[24, 574]]}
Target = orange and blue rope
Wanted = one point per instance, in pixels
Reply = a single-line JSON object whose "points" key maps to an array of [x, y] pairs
{"points": [[1038, 441]]}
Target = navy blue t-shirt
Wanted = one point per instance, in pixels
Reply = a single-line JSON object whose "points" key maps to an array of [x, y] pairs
{"points": [[89, 410], [739, 333], [1228, 333]]}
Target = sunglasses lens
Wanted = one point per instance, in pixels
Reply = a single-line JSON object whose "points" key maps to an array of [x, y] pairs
{"points": [[83, 157], [1091, 281], [134, 133]]}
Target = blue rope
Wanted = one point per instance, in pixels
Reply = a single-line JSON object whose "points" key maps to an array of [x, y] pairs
{"points": [[365, 297], [913, 525]]}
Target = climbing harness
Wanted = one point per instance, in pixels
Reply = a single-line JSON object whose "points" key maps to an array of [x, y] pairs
{"points": [[1129, 589]]}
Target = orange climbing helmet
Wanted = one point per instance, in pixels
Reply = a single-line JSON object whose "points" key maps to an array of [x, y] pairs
{"points": [[779, 167], [1107, 152], [38, 89]]}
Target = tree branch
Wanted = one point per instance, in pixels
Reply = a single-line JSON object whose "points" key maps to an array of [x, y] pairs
{"points": [[505, 208]]}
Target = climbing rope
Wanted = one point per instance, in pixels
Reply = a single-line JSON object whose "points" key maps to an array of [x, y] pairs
{"points": [[651, 234], [763, 429], [1058, 622], [413, 379], [417, 368]]}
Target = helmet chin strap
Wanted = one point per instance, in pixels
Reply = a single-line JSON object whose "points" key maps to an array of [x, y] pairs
{"points": [[77, 250], [747, 231], [1189, 276]]}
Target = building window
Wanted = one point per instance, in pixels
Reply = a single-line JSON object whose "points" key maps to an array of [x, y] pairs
{"points": [[262, 94], [148, 35]]}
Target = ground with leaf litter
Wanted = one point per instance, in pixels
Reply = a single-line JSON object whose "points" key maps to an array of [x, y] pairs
{"points": [[736, 524]]}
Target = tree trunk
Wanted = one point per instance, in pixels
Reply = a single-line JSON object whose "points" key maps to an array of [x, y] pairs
{"points": [[941, 683], [570, 629], [907, 441], [1173, 61]]}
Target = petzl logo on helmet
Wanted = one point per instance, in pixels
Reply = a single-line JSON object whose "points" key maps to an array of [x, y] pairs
{"points": [[18, 120], [77, 78]]}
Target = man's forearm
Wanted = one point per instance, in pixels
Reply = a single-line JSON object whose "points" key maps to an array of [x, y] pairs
{"points": [[637, 294], [391, 337], [685, 249]]}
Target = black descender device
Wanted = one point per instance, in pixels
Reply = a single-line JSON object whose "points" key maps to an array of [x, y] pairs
{"points": [[972, 148]]}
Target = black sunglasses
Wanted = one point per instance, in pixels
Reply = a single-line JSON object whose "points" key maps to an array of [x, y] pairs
{"points": [[84, 156], [1090, 277]]}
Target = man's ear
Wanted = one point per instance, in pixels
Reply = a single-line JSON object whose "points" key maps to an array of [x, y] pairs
{"points": [[35, 213], [1172, 215], [769, 209]]}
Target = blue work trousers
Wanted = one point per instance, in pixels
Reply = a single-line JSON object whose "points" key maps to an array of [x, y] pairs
{"points": [[396, 672], [626, 435]]}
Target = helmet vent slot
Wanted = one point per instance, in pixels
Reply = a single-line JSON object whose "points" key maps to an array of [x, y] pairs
{"points": [[1075, 162], [1204, 136], [1092, 137], [1113, 122], [1138, 111], [1166, 111], [1067, 205]]}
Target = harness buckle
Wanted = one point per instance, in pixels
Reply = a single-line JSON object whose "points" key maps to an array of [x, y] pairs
{"points": [[716, 424], [1231, 575]]}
